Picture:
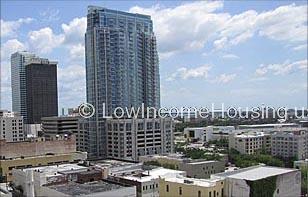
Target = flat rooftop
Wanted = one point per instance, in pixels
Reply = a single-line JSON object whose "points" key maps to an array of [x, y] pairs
{"points": [[255, 173], [153, 174], [192, 181], [54, 170], [77, 189]]}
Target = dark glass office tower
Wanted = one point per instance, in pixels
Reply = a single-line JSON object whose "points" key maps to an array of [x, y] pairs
{"points": [[41, 89], [122, 68]]}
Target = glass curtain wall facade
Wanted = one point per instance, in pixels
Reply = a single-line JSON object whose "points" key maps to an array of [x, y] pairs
{"points": [[122, 68], [18, 82]]}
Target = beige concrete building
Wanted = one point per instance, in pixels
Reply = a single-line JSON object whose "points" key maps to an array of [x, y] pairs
{"points": [[250, 141], [129, 139], [194, 168], [37, 152], [290, 143], [11, 126], [190, 187], [77, 125], [146, 181]]}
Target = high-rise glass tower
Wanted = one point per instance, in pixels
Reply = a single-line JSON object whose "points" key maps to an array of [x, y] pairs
{"points": [[18, 82], [122, 68], [34, 86]]}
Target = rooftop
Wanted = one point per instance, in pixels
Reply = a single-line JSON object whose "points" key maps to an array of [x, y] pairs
{"points": [[54, 170], [77, 189], [192, 181], [154, 174], [255, 172]]}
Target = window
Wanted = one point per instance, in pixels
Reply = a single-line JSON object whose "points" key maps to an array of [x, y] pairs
{"points": [[210, 194], [199, 193], [167, 188], [180, 190]]}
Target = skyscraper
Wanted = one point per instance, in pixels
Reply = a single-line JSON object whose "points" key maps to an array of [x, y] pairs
{"points": [[34, 86], [122, 68], [18, 81], [41, 89]]}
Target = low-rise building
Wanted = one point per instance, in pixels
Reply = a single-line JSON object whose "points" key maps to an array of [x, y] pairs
{"points": [[209, 133], [77, 125], [250, 142], [290, 143], [147, 181], [194, 168], [37, 152], [190, 187], [128, 139], [11, 126], [261, 181], [68, 180]]}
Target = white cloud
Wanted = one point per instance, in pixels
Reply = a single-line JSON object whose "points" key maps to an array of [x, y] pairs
{"points": [[10, 47], [300, 47], [191, 26], [74, 31], [288, 23], [44, 40], [224, 78], [71, 85], [187, 73], [50, 15], [230, 56], [185, 27], [9, 28], [77, 52], [281, 69]]}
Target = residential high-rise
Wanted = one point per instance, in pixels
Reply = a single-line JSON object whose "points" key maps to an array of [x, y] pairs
{"points": [[18, 81], [122, 68], [41, 89]]}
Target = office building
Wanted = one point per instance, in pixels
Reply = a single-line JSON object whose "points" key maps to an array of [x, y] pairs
{"points": [[37, 152], [34, 86], [122, 68], [129, 139], [290, 143], [18, 82], [41, 89], [261, 181], [11, 126], [250, 142], [76, 125]]}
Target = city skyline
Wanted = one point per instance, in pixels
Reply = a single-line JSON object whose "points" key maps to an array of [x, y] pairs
{"points": [[207, 59]]}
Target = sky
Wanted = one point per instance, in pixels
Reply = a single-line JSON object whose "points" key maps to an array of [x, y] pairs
{"points": [[242, 54]]}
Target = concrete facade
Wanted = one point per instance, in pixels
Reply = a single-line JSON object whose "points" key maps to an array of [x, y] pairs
{"points": [[67, 124], [290, 143], [37, 146], [193, 168], [11, 127], [288, 181], [189, 187], [250, 142], [129, 139]]}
